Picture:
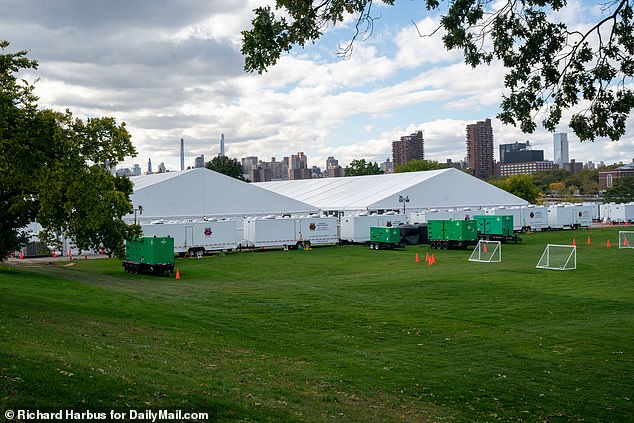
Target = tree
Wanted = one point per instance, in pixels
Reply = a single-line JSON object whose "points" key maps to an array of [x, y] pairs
{"points": [[586, 181], [360, 167], [226, 166], [549, 64], [53, 169], [520, 185], [622, 191], [419, 166], [545, 178]]}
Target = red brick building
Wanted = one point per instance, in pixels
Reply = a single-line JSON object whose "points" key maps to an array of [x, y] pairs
{"points": [[607, 178]]}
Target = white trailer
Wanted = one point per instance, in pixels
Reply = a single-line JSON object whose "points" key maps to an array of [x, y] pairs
{"points": [[318, 230], [450, 214], [561, 217], [534, 218], [290, 231], [357, 228], [617, 213], [583, 215], [516, 212], [596, 215], [196, 237]]}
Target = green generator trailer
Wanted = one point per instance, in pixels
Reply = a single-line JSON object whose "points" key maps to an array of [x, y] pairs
{"points": [[385, 238], [496, 228], [149, 255], [450, 234]]}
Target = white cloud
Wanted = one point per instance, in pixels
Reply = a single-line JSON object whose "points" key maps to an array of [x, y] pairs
{"points": [[175, 72], [421, 43]]}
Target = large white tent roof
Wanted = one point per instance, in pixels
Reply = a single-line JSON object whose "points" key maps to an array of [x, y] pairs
{"points": [[202, 192], [445, 188]]}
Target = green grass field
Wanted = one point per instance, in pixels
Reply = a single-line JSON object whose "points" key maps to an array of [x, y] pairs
{"points": [[337, 334]]}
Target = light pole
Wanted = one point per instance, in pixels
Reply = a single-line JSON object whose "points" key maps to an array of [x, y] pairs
{"points": [[404, 200], [140, 210]]}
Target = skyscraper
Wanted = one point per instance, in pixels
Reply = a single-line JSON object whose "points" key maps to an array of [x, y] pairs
{"points": [[182, 154], [560, 148], [480, 149], [149, 166], [298, 167], [410, 147], [509, 148]]}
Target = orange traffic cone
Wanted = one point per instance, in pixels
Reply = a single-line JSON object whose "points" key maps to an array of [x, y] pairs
{"points": [[21, 255], [485, 247], [417, 260], [426, 256], [589, 241], [178, 275], [624, 242], [432, 260], [574, 242], [608, 243]]}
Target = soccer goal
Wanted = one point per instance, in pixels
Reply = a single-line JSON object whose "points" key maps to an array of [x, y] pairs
{"points": [[487, 252], [626, 239], [558, 257]]}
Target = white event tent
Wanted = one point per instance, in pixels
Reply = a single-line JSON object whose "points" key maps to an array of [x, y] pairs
{"points": [[436, 189], [198, 193]]}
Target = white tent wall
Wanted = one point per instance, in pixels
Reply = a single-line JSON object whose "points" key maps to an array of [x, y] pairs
{"points": [[199, 193], [451, 189], [436, 189]]}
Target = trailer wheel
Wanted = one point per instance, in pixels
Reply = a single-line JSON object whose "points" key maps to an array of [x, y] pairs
{"points": [[199, 254], [371, 246], [445, 245]]}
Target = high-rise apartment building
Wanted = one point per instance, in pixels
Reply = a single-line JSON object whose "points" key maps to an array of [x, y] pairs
{"points": [[560, 148], [298, 167], [249, 163], [480, 149], [199, 161], [410, 147], [333, 170]]}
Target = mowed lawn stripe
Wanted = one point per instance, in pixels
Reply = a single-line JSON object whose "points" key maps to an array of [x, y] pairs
{"points": [[339, 333]]}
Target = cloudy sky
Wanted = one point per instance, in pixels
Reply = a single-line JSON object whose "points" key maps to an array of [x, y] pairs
{"points": [[173, 69]]}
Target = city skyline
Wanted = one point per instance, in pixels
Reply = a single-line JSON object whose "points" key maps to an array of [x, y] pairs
{"points": [[176, 72], [311, 162]]}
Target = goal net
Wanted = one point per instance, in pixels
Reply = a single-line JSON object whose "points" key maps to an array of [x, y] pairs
{"points": [[626, 239], [558, 257], [487, 252]]}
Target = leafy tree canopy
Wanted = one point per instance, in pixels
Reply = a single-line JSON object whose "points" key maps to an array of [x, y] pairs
{"points": [[419, 166], [622, 191], [226, 166], [550, 65], [53, 170], [520, 185], [562, 182], [360, 167]]}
